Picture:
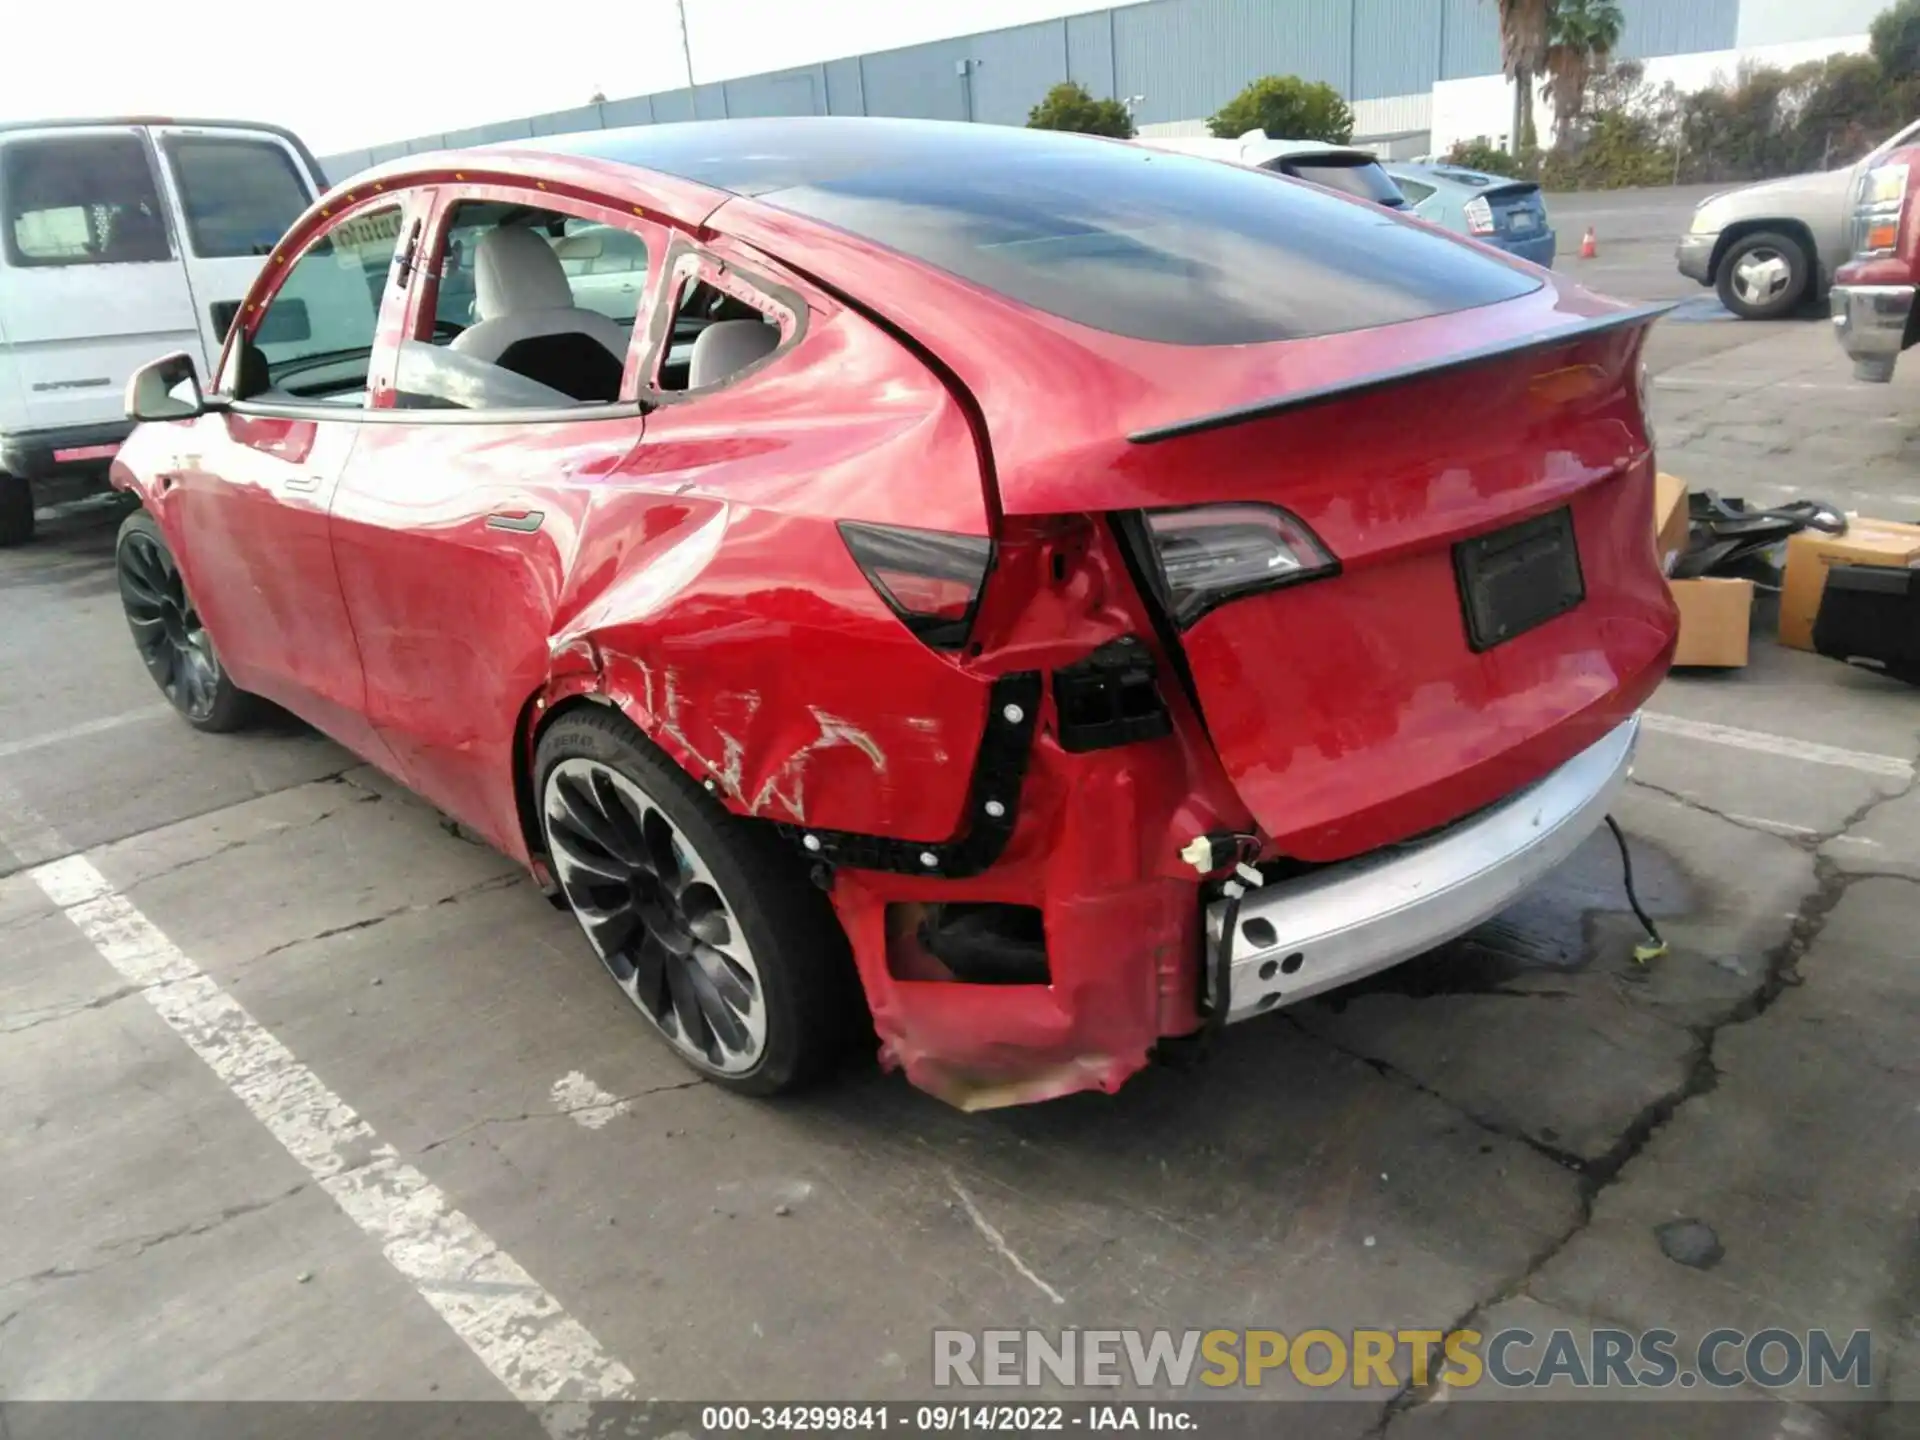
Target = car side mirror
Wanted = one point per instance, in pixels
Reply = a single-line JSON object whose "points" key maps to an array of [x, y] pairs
{"points": [[166, 389]]}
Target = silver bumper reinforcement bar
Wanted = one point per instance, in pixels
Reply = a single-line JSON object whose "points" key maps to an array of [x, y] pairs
{"points": [[1300, 937]]}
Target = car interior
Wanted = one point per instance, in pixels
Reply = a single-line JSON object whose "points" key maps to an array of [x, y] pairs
{"points": [[526, 292], [533, 310], [714, 336]]}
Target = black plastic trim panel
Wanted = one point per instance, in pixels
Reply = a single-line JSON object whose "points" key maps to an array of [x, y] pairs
{"points": [[993, 800]]}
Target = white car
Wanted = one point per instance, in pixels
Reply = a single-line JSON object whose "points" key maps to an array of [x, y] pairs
{"points": [[121, 241], [1332, 167]]}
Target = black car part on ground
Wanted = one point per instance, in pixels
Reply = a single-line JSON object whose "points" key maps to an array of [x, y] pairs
{"points": [[1870, 616], [1728, 539]]}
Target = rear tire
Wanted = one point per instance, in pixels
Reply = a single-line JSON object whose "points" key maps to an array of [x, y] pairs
{"points": [[1764, 276], [167, 633], [707, 922], [16, 510]]}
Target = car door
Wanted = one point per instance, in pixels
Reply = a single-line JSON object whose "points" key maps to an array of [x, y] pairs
{"points": [[89, 279], [247, 503], [236, 191], [458, 523]]}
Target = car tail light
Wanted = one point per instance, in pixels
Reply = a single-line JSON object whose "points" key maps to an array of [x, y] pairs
{"points": [[929, 578], [1215, 553], [1479, 216]]}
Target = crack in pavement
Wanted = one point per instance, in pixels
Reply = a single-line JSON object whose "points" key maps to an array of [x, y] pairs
{"points": [[561, 1114], [229, 846], [132, 1249], [1810, 918], [1793, 835], [48, 1017], [495, 882], [15, 865]]}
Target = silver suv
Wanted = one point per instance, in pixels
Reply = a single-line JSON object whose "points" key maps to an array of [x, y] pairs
{"points": [[1770, 247]]}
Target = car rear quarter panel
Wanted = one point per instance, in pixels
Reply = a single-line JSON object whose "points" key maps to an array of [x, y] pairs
{"points": [[713, 597]]}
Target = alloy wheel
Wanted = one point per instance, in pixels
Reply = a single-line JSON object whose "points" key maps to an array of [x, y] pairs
{"points": [[167, 631], [655, 915]]}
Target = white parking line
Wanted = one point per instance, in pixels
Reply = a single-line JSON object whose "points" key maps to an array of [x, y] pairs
{"points": [[1763, 743], [520, 1332], [10, 748]]}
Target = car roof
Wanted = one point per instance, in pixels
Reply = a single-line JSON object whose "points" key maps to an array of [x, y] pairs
{"points": [[760, 157], [1457, 177], [178, 122], [121, 122]]}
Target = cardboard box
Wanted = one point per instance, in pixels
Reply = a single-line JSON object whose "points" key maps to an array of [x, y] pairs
{"points": [[1867, 542], [1715, 615], [1670, 520]]}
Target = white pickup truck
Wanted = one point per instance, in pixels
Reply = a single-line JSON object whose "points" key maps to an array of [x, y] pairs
{"points": [[120, 241]]}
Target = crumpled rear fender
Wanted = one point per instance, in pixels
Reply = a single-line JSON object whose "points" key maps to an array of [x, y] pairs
{"points": [[802, 701]]}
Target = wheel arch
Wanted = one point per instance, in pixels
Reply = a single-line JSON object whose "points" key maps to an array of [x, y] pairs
{"points": [[559, 697]]}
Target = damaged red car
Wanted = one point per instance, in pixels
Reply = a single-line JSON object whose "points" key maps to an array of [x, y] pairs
{"points": [[1040, 596]]}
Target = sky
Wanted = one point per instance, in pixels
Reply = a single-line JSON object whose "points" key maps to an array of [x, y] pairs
{"points": [[341, 80]]}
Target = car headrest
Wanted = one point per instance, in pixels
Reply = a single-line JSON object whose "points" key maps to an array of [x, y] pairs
{"points": [[726, 346], [515, 270]]}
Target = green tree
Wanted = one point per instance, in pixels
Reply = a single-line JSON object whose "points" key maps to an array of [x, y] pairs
{"points": [[1069, 107], [1480, 153], [1896, 40], [1581, 38], [1525, 33], [1286, 108]]}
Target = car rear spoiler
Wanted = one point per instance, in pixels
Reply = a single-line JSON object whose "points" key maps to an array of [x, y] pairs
{"points": [[1383, 379]]}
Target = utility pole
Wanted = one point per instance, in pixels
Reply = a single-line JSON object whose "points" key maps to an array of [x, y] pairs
{"points": [[686, 51]]}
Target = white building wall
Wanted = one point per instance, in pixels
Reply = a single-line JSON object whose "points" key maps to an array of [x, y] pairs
{"points": [[1783, 22]]}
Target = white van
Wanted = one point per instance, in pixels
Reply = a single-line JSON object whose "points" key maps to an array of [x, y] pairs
{"points": [[120, 241]]}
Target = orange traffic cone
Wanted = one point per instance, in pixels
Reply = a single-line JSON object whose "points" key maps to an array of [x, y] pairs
{"points": [[1589, 245]]}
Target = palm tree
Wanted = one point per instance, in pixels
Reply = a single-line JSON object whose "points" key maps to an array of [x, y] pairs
{"points": [[1582, 36], [1525, 27]]}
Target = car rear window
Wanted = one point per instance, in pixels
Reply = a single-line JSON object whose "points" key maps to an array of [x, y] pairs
{"points": [[1157, 246]]}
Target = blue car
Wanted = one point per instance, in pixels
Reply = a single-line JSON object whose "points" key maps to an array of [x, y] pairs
{"points": [[1505, 213]]}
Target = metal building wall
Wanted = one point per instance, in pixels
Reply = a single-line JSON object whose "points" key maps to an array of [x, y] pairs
{"points": [[1184, 58], [1661, 27], [1090, 54], [1396, 48], [846, 93], [1011, 70], [1469, 39], [921, 82], [787, 92]]}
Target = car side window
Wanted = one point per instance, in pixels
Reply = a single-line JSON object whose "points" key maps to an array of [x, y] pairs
{"points": [[532, 309], [717, 331], [239, 196], [314, 343], [81, 200], [1416, 192]]}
